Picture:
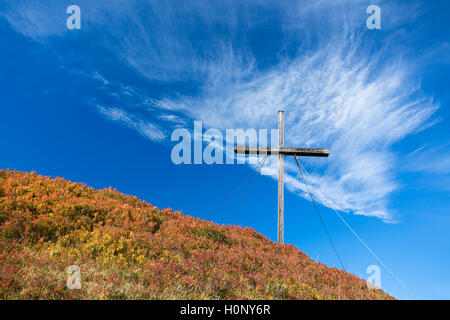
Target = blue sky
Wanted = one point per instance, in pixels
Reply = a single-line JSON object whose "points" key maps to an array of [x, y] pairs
{"points": [[98, 105]]}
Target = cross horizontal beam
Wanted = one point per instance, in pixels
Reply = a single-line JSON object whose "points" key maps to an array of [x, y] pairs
{"points": [[305, 152]]}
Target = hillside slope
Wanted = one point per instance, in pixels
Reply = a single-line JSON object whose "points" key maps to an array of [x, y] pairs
{"points": [[129, 249]]}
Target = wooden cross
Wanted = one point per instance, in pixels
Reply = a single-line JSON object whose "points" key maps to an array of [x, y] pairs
{"points": [[281, 151]]}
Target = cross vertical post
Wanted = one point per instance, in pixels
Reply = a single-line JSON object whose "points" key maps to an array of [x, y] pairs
{"points": [[280, 178]]}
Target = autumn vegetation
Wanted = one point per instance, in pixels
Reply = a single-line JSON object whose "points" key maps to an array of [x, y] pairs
{"points": [[129, 249]]}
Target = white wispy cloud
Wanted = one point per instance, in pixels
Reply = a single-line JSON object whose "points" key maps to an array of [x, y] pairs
{"points": [[336, 91], [337, 98], [434, 160], [34, 19], [145, 128]]}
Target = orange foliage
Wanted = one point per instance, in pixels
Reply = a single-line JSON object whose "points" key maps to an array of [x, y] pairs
{"points": [[129, 249]]}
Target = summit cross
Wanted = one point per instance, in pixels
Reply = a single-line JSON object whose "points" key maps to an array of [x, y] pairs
{"points": [[281, 151]]}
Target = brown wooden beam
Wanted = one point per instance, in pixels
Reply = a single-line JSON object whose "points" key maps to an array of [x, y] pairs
{"points": [[305, 152]]}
